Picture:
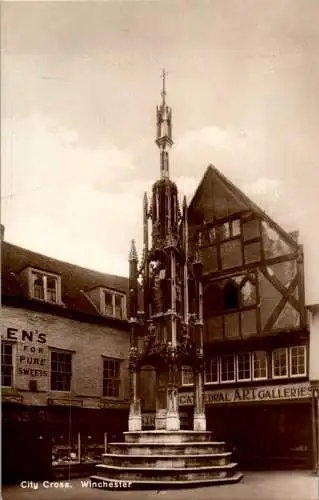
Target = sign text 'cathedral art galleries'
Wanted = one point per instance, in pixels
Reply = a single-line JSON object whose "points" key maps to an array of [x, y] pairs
{"points": [[250, 394]]}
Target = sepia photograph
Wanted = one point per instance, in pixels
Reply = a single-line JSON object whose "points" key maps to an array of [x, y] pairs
{"points": [[159, 249]]}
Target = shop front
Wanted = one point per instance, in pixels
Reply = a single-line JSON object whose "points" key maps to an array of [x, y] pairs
{"points": [[266, 427], [44, 442]]}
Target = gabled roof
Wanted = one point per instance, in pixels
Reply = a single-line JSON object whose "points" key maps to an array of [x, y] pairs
{"points": [[74, 279], [224, 195]]}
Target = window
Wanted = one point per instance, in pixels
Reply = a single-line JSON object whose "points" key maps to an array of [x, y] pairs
{"points": [[235, 227], [187, 375], [280, 363], [6, 364], [230, 229], [111, 378], [114, 304], [211, 371], [224, 231], [231, 295], [259, 365], [243, 366], [61, 371], [297, 361], [45, 287], [227, 368]]}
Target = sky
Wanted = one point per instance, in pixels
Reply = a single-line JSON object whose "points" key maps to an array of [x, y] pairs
{"points": [[79, 88]]}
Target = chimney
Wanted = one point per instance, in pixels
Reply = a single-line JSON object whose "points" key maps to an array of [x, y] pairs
{"points": [[294, 235], [2, 231]]}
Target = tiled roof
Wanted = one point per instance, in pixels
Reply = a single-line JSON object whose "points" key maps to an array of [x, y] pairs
{"points": [[74, 279]]}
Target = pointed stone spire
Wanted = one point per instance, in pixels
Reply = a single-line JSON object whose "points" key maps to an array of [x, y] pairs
{"points": [[164, 130], [133, 253], [184, 202], [145, 204]]}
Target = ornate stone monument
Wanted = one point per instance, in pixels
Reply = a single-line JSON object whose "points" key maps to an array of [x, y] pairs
{"points": [[166, 319]]}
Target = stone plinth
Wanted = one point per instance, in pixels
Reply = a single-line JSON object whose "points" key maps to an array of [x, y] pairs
{"points": [[162, 459]]}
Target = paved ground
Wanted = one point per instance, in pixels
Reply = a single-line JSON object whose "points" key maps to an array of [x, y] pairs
{"points": [[294, 485]]}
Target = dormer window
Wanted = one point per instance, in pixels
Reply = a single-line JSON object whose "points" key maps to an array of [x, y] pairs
{"points": [[114, 304], [45, 286]]}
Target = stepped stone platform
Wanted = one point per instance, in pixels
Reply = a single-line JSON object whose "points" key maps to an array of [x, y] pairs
{"points": [[168, 459]]}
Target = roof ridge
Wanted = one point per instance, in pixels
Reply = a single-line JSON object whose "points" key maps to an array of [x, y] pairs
{"points": [[59, 261]]}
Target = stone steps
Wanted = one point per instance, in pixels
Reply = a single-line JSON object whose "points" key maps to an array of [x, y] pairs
{"points": [[166, 474], [163, 461], [168, 436], [194, 448], [103, 482]]}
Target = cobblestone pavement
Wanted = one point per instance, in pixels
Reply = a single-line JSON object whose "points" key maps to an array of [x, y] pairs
{"points": [[288, 485]]}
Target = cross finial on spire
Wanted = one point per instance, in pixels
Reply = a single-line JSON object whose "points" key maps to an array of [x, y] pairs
{"points": [[164, 129], [164, 74]]}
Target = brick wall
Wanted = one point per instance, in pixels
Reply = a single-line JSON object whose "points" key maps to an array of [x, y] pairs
{"points": [[87, 342]]}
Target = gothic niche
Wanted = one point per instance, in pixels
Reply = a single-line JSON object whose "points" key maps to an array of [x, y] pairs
{"points": [[160, 289]]}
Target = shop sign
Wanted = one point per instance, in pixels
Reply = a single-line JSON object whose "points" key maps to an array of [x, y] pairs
{"points": [[12, 398], [65, 402], [250, 394], [114, 404], [31, 353]]}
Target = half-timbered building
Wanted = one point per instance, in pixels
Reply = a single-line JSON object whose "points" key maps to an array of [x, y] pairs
{"points": [[256, 339]]}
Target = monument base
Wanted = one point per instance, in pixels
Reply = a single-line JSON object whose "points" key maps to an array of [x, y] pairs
{"points": [[135, 423], [172, 422], [163, 459], [199, 422]]}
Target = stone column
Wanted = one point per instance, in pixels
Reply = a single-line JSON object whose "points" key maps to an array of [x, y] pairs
{"points": [[199, 406], [172, 418], [135, 416]]}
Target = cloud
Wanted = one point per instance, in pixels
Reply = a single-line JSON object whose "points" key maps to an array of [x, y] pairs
{"points": [[211, 136], [59, 197], [263, 186], [267, 192], [239, 152], [49, 154]]}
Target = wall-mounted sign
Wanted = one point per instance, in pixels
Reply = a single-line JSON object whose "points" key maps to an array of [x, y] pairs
{"points": [[250, 394], [21, 335], [65, 402], [32, 361], [31, 357], [12, 398], [114, 404]]}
